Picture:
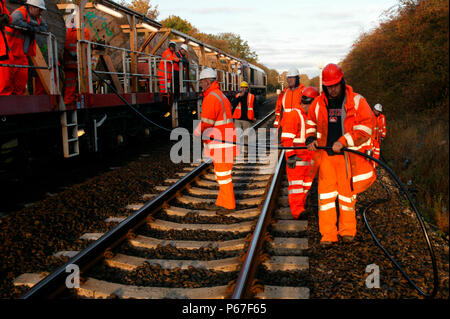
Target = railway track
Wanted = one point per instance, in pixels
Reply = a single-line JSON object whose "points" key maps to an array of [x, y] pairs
{"points": [[177, 246]]}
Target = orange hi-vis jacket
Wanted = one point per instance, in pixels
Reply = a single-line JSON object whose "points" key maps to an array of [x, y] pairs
{"points": [[16, 38], [380, 127], [3, 43], [216, 119], [288, 99], [294, 130], [250, 112], [358, 123], [176, 66], [166, 68], [70, 47]]}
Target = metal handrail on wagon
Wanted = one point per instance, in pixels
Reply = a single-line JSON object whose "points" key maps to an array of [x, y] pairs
{"points": [[153, 63], [191, 66], [52, 49]]}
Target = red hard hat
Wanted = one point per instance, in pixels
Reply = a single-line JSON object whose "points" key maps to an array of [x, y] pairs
{"points": [[331, 74], [311, 92]]}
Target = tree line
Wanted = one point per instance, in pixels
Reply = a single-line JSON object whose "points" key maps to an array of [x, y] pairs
{"points": [[403, 64]]}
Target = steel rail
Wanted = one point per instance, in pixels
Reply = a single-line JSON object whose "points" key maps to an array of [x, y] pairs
{"points": [[55, 283], [248, 270]]}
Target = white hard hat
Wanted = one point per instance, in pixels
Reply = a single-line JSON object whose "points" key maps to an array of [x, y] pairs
{"points": [[378, 107], [293, 72], [70, 21], [184, 46], [37, 3], [172, 42], [208, 73]]}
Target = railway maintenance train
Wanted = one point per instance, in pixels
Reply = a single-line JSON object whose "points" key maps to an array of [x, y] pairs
{"points": [[125, 49]]}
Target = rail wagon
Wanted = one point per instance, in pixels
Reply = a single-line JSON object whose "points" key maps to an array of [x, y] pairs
{"points": [[125, 50]]}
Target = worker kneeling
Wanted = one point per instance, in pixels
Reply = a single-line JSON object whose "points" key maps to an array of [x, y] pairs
{"points": [[217, 123], [339, 118], [298, 161]]}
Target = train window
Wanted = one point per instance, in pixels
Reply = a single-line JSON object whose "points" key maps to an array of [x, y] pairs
{"points": [[252, 76]]}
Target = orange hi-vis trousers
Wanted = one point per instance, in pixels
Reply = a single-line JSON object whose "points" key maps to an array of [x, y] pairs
{"points": [[225, 198], [299, 184], [13, 81], [70, 88], [333, 182]]}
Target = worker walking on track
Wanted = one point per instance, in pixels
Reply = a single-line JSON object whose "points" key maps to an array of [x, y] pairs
{"points": [[217, 123], [165, 67], [339, 118], [181, 55], [379, 133], [298, 161], [22, 44], [243, 113], [5, 19], [70, 59], [290, 97]]}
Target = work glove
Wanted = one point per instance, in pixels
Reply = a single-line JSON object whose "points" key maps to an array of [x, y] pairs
{"points": [[292, 160], [4, 19]]}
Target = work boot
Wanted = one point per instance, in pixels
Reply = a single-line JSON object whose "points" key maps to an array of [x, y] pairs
{"points": [[348, 239], [224, 211], [221, 211], [326, 243]]}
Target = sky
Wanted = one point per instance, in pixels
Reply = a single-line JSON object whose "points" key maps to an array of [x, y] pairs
{"points": [[285, 34]]}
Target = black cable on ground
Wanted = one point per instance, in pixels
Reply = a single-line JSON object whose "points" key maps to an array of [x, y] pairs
{"points": [[387, 168]]}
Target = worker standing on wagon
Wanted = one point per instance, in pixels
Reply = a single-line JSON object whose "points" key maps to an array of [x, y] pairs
{"points": [[70, 59], [380, 129], [165, 68], [298, 161], [217, 123], [5, 19], [22, 45], [339, 118], [290, 97], [181, 55]]}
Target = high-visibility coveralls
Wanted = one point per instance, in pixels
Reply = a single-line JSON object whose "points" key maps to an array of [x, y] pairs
{"points": [[4, 49], [217, 122], [288, 99], [294, 134], [165, 69], [379, 134], [250, 111], [341, 176], [70, 63], [22, 44]]}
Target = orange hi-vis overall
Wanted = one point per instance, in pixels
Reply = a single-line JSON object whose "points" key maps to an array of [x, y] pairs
{"points": [[294, 134], [217, 123], [4, 49], [379, 134], [14, 80], [70, 63], [165, 69], [250, 112], [341, 176], [288, 99]]}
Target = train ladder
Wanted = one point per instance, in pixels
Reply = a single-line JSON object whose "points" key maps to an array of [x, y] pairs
{"points": [[69, 124]]}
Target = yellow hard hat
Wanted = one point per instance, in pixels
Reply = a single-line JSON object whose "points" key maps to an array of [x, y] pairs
{"points": [[244, 84]]}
